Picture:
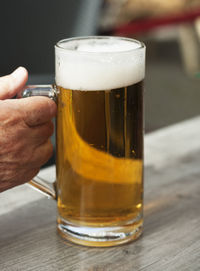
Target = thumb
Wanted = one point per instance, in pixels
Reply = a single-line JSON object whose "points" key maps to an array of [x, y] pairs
{"points": [[11, 84]]}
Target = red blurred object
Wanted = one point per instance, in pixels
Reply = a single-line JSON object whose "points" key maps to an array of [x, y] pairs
{"points": [[145, 25]]}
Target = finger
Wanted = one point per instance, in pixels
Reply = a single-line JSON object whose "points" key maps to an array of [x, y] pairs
{"points": [[28, 175], [11, 84], [40, 134], [14, 175], [36, 110], [41, 154], [21, 177]]}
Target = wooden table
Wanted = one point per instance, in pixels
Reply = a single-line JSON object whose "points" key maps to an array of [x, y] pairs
{"points": [[171, 239]]}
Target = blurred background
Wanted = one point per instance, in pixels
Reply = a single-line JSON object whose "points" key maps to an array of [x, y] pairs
{"points": [[170, 30]]}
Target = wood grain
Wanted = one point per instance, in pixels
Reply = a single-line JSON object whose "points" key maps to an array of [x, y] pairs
{"points": [[171, 239]]}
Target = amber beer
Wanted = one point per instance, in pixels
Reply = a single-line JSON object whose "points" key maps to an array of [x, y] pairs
{"points": [[100, 140]]}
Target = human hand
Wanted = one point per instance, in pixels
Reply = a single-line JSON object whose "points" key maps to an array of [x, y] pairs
{"points": [[25, 129]]}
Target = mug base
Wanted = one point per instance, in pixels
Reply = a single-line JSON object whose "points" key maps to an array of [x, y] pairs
{"points": [[99, 236]]}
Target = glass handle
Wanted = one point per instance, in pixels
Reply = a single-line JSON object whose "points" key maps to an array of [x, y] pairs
{"points": [[40, 90], [41, 185], [44, 187]]}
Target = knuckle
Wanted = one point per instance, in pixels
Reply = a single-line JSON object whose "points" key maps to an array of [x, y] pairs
{"points": [[38, 110]]}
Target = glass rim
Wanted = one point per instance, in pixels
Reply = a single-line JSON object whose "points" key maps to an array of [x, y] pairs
{"points": [[59, 46]]}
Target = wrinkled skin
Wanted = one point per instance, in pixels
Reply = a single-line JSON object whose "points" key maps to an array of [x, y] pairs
{"points": [[25, 128]]}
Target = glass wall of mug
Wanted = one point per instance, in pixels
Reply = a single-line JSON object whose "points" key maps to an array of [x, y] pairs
{"points": [[100, 139]]}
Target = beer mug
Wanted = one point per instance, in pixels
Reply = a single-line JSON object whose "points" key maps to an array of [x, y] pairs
{"points": [[99, 139]]}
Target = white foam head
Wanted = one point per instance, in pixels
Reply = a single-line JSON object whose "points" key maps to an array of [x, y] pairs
{"points": [[99, 63]]}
